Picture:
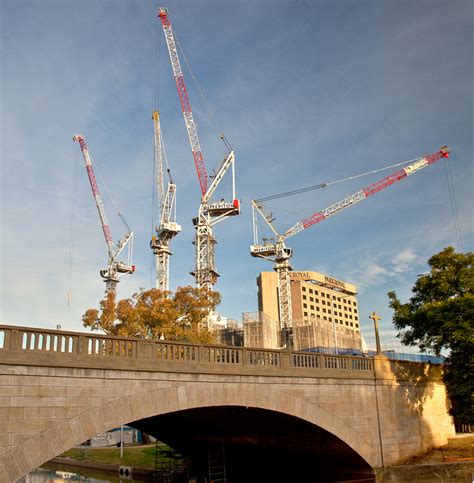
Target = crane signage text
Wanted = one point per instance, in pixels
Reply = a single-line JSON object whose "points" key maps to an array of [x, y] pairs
{"points": [[415, 166]]}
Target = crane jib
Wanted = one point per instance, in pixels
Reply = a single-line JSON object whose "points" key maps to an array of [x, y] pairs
{"points": [[384, 182], [92, 180]]}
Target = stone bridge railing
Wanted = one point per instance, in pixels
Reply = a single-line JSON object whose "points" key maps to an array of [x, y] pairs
{"points": [[43, 347]]}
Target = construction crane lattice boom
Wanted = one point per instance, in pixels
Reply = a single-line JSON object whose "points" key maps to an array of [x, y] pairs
{"points": [[167, 228], [210, 213], [280, 254], [115, 267]]}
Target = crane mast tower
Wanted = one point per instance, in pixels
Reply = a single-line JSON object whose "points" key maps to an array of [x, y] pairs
{"points": [[167, 228], [115, 267], [277, 252], [210, 213]]}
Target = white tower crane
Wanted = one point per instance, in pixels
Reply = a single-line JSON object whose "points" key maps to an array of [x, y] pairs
{"points": [[167, 228], [277, 252], [210, 213], [115, 267]]}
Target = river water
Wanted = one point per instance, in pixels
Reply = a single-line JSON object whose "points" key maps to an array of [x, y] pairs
{"points": [[42, 475], [56, 475]]}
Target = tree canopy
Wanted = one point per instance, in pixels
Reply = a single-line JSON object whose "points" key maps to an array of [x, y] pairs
{"points": [[154, 314], [440, 317]]}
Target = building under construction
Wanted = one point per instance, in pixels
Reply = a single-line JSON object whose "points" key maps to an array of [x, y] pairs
{"points": [[325, 313]]}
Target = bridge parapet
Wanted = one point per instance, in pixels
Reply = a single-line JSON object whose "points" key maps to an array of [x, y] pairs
{"points": [[34, 346]]}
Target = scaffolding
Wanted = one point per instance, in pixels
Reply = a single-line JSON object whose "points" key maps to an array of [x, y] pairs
{"points": [[262, 332], [228, 333]]}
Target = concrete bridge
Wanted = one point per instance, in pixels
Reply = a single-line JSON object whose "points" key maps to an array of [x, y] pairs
{"points": [[58, 389]]}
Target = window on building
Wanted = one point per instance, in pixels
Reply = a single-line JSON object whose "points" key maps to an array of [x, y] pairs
{"points": [[304, 297], [305, 306], [357, 325], [347, 323], [305, 314], [325, 318], [303, 289], [352, 325], [311, 307], [325, 311], [310, 290], [311, 299]]}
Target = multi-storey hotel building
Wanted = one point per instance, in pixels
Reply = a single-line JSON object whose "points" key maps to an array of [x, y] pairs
{"points": [[317, 299]]}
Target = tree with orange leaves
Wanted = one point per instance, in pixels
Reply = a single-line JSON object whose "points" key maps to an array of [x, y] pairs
{"points": [[155, 314]]}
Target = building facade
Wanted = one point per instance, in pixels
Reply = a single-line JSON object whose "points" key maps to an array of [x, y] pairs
{"points": [[324, 309]]}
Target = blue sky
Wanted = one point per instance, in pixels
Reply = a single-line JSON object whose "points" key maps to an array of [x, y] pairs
{"points": [[305, 91]]}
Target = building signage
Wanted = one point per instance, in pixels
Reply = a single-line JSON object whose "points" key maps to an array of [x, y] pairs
{"points": [[300, 275], [322, 279], [333, 281]]}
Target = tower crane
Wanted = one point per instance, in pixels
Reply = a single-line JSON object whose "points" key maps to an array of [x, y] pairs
{"points": [[115, 267], [167, 228], [276, 251], [210, 213]]}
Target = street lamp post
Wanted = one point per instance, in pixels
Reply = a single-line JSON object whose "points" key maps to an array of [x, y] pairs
{"points": [[376, 319]]}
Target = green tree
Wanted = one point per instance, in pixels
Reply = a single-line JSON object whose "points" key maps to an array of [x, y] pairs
{"points": [[440, 317], [152, 314]]}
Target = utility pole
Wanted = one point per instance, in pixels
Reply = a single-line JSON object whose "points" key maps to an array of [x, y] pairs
{"points": [[375, 317]]}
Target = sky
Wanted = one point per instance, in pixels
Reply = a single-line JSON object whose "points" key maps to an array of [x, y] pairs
{"points": [[305, 91]]}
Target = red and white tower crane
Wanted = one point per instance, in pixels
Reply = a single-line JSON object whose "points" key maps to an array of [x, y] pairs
{"points": [[210, 213], [276, 250], [167, 228], [115, 267]]}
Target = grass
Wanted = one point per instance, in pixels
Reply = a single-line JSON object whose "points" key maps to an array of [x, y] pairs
{"points": [[460, 448], [142, 456]]}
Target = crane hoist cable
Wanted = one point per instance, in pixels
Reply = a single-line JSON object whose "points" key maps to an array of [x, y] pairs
{"points": [[454, 209], [109, 194], [72, 229], [330, 183], [210, 112]]}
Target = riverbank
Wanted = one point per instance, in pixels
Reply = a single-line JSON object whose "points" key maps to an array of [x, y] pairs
{"points": [[453, 463], [140, 460]]}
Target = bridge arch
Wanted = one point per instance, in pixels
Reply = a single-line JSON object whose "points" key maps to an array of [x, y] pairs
{"points": [[60, 437]]}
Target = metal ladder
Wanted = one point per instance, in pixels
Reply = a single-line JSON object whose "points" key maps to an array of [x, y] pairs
{"points": [[216, 457]]}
